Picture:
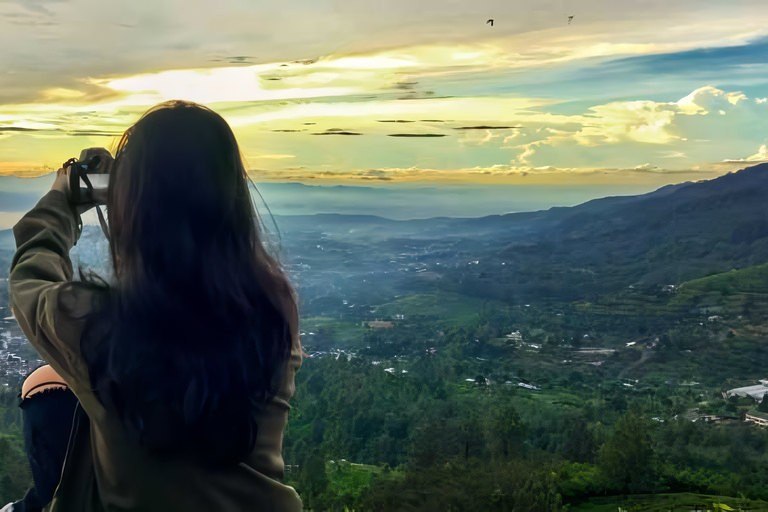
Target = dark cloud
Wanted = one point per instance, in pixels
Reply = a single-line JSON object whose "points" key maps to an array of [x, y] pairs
{"points": [[416, 135], [29, 86], [238, 59], [482, 127], [414, 95], [19, 129], [329, 132], [288, 130], [393, 121], [93, 133], [72, 133], [420, 96]]}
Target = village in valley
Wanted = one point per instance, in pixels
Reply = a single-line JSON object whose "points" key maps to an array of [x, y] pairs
{"points": [[17, 357]]}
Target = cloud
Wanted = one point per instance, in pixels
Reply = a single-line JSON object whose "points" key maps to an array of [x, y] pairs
{"points": [[709, 99], [19, 129], [486, 85], [652, 122], [673, 154], [734, 97], [230, 84], [640, 121], [484, 127], [614, 134], [760, 156], [477, 136], [270, 157], [459, 109], [647, 174], [416, 135], [235, 59], [38, 6], [529, 150], [24, 169], [336, 131]]}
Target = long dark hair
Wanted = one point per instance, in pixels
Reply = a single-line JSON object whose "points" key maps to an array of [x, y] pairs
{"points": [[193, 337]]}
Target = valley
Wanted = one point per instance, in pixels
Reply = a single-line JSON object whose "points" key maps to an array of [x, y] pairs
{"points": [[560, 359]]}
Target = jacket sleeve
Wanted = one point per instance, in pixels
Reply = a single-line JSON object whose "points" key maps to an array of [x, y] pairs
{"points": [[267, 456], [50, 309]]}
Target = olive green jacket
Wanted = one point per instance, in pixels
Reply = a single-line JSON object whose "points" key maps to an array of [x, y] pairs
{"points": [[105, 470]]}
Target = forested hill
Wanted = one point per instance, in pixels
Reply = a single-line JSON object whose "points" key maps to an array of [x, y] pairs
{"points": [[669, 236]]}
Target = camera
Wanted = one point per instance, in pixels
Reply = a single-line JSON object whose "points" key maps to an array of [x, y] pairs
{"points": [[89, 175]]}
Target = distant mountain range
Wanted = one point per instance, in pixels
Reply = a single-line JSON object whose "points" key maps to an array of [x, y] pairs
{"points": [[675, 234]]}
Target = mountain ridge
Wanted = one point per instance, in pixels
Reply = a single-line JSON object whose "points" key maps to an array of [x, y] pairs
{"points": [[672, 235]]}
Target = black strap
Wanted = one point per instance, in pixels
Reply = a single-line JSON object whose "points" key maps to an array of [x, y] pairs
{"points": [[103, 223], [29, 392], [89, 191], [89, 197]]}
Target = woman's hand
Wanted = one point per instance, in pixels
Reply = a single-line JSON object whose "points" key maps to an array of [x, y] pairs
{"points": [[61, 183]]}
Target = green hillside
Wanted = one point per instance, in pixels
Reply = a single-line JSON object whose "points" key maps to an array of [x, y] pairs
{"points": [[747, 280]]}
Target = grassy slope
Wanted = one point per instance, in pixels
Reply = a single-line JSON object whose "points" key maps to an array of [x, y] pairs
{"points": [[667, 502], [728, 290]]}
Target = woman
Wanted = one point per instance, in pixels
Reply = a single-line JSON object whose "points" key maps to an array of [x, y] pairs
{"points": [[185, 365]]}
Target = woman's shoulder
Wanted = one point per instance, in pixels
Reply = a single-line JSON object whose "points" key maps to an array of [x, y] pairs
{"points": [[77, 311], [79, 299]]}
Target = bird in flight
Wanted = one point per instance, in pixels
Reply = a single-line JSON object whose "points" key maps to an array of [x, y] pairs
{"points": [[489, 21], [569, 19]]}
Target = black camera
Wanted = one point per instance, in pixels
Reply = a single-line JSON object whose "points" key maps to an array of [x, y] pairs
{"points": [[89, 175]]}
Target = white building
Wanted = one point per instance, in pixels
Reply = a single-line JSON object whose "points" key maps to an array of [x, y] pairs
{"points": [[756, 392]]}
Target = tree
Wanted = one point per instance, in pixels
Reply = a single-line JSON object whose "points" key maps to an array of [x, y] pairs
{"points": [[318, 431], [763, 407], [626, 459], [313, 479], [505, 430], [580, 443]]}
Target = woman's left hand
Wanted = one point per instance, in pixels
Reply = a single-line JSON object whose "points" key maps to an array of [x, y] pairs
{"points": [[61, 183]]}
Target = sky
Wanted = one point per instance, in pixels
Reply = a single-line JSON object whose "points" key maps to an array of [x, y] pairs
{"points": [[422, 94]]}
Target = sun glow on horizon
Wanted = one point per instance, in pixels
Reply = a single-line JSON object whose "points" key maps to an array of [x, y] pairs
{"points": [[440, 112]]}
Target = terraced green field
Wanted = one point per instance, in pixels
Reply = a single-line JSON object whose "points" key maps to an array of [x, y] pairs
{"points": [[682, 502]]}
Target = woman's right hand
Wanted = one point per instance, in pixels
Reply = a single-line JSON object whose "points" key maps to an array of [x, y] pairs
{"points": [[61, 183]]}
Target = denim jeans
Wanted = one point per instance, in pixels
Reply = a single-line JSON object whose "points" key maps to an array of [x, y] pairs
{"points": [[47, 419]]}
